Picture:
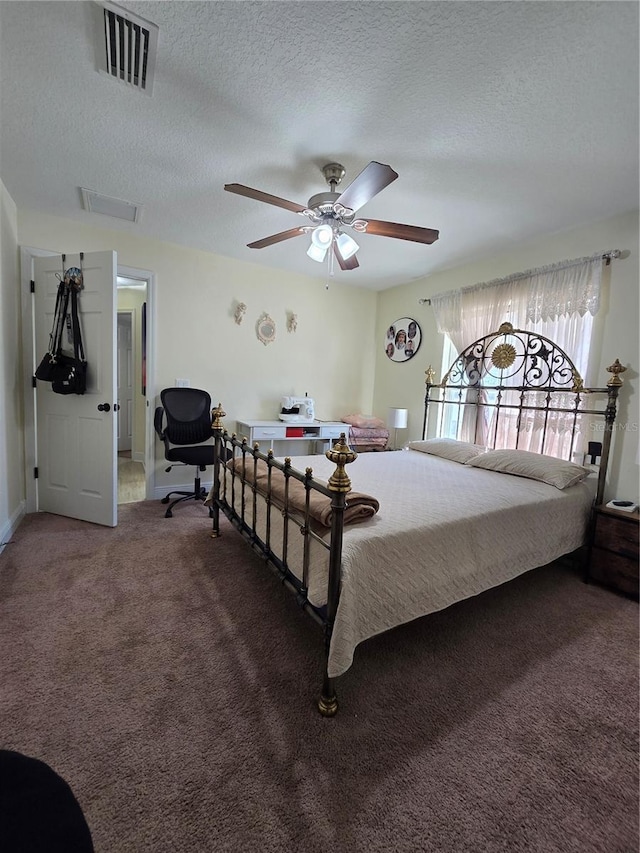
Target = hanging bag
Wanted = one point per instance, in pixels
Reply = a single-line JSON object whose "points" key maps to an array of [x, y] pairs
{"points": [[46, 369], [66, 373], [70, 371]]}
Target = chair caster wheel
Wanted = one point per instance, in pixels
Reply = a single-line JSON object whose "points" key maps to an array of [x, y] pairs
{"points": [[164, 500], [168, 514]]}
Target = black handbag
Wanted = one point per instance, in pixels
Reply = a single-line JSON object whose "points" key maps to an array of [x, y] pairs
{"points": [[69, 372], [69, 375], [45, 371]]}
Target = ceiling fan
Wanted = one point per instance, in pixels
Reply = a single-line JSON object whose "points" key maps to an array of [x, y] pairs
{"points": [[331, 212]]}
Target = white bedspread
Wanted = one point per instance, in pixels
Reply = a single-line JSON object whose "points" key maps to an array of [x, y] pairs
{"points": [[444, 532]]}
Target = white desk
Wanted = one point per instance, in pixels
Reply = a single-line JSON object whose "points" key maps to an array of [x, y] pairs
{"points": [[265, 433]]}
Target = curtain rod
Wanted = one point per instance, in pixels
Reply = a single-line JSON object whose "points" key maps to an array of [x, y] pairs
{"points": [[606, 256]]}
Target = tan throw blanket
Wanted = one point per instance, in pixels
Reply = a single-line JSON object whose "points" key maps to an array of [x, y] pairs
{"points": [[359, 507]]}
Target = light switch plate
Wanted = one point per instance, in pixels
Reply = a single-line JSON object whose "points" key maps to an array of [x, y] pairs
{"points": [[183, 383]]}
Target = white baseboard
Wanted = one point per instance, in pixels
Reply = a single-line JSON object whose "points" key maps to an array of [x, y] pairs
{"points": [[138, 456], [9, 528]]}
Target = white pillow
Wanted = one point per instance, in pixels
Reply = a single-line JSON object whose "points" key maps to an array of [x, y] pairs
{"points": [[535, 466], [448, 448]]}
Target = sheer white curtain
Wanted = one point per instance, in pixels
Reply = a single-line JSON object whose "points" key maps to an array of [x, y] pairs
{"points": [[557, 301]]}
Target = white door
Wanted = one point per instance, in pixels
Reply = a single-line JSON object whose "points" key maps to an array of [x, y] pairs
{"points": [[76, 440], [125, 382]]}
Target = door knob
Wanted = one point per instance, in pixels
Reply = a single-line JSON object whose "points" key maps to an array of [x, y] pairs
{"points": [[103, 407], [116, 407]]}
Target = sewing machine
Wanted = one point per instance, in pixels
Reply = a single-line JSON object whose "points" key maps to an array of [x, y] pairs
{"points": [[297, 410]]}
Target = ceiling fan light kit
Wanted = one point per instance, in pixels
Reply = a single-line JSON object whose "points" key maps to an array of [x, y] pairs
{"points": [[331, 212]]}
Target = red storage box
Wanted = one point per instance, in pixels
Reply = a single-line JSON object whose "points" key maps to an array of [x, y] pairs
{"points": [[295, 432]]}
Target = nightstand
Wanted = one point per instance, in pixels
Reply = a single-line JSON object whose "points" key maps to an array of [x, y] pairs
{"points": [[613, 555]]}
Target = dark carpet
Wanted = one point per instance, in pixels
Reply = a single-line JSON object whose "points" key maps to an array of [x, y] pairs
{"points": [[171, 681]]}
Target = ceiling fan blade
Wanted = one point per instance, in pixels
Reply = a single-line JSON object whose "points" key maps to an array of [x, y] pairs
{"points": [[348, 264], [371, 180], [277, 238], [258, 195], [401, 232]]}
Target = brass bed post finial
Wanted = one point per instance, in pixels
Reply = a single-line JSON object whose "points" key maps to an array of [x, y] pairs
{"points": [[341, 454], [339, 484], [613, 387], [430, 382], [216, 417], [616, 369], [217, 429]]}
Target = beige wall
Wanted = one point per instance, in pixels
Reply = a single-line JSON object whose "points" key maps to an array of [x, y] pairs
{"points": [[334, 356], [330, 356], [12, 485], [402, 384]]}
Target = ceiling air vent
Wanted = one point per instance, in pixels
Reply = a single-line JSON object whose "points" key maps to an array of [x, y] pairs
{"points": [[109, 206], [126, 46]]}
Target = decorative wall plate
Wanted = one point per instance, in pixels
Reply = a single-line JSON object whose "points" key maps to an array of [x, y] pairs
{"points": [[402, 339], [266, 329]]}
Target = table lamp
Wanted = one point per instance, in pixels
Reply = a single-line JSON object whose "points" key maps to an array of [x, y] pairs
{"points": [[397, 419]]}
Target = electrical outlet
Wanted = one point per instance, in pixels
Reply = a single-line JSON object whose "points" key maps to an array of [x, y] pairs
{"points": [[183, 383]]}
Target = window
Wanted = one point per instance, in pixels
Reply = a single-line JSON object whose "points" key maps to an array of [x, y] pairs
{"points": [[556, 302]]}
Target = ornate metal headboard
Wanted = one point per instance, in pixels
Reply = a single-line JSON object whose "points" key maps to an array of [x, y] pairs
{"points": [[514, 388]]}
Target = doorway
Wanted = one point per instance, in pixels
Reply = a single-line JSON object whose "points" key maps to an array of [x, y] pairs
{"points": [[131, 372], [143, 280]]}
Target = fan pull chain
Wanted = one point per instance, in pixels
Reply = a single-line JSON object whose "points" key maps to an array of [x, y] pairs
{"points": [[330, 268]]}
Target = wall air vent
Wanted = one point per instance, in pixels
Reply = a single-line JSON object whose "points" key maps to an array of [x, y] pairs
{"points": [[108, 206], [126, 46]]}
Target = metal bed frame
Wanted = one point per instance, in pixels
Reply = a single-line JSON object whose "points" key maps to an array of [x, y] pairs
{"points": [[518, 370], [513, 370]]}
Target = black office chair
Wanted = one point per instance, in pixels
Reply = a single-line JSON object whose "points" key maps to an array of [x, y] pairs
{"points": [[188, 422]]}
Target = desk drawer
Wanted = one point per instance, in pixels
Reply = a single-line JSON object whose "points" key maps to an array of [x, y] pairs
{"points": [[269, 433], [333, 431]]}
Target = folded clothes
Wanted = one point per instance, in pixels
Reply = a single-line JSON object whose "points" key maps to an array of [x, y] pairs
{"points": [[359, 507], [357, 432]]}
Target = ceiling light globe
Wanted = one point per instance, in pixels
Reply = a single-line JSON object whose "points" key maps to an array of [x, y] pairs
{"points": [[347, 246], [322, 236], [316, 254]]}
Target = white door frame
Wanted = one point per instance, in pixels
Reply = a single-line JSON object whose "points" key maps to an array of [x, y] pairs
{"points": [[128, 312], [30, 360], [149, 445]]}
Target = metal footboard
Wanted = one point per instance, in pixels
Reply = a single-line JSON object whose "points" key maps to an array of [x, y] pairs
{"points": [[266, 521]]}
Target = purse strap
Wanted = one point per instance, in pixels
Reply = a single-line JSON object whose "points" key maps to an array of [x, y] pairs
{"points": [[78, 348], [59, 316]]}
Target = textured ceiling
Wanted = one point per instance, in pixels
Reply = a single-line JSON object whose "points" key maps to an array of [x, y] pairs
{"points": [[505, 121]]}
